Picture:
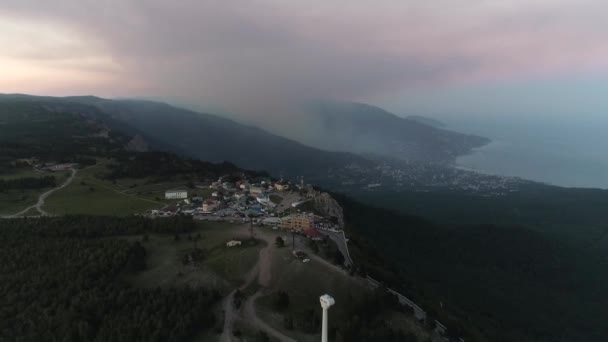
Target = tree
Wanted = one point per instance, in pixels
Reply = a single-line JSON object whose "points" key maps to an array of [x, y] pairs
{"points": [[288, 322], [339, 337], [313, 246], [195, 239], [281, 301], [89, 255], [262, 337], [338, 258], [238, 299], [429, 323]]}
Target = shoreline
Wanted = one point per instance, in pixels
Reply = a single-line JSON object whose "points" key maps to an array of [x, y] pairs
{"points": [[487, 160]]}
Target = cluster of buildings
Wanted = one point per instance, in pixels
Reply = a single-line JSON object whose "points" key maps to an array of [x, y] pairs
{"points": [[244, 200]]}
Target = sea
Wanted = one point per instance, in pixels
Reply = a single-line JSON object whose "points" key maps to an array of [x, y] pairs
{"points": [[569, 153]]}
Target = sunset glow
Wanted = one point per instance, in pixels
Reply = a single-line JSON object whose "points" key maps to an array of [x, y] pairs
{"points": [[209, 50]]}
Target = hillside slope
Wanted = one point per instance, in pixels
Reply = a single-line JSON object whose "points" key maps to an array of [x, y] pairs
{"points": [[114, 184], [513, 283], [213, 138], [208, 137], [549, 264], [362, 128]]}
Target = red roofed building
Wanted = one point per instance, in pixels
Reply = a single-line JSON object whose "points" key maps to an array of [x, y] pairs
{"points": [[313, 234]]}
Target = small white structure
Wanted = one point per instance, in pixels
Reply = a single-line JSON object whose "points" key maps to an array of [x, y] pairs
{"points": [[233, 243], [176, 194], [295, 204], [263, 199], [326, 302], [281, 186], [255, 190], [62, 167]]}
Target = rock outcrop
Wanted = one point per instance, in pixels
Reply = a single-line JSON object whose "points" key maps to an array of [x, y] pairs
{"points": [[328, 206]]}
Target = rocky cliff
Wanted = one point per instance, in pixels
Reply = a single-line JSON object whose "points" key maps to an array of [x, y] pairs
{"points": [[328, 206]]}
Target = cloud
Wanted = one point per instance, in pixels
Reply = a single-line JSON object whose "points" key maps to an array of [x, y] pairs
{"points": [[263, 50]]}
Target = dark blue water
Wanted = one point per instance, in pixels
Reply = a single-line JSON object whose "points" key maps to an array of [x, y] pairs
{"points": [[572, 154]]}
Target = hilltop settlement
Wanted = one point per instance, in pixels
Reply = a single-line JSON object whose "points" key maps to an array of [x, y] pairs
{"points": [[278, 204]]}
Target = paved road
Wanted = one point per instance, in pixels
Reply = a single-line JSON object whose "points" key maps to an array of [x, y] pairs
{"points": [[43, 197], [340, 239]]}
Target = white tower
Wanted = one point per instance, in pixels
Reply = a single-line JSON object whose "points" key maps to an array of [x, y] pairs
{"points": [[326, 302]]}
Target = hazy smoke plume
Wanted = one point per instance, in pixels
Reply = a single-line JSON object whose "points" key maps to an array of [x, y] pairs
{"points": [[263, 55]]}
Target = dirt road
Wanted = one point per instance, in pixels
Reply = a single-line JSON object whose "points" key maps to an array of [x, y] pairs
{"points": [[43, 197], [261, 271], [252, 317], [230, 313]]}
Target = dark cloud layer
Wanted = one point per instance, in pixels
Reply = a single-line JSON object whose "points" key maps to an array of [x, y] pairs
{"points": [[259, 52]]}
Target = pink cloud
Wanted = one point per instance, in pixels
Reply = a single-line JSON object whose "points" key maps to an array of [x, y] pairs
{"points": [[339, 49]]}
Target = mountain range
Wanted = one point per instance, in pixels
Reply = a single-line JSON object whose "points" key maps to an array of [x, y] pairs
{"points": [[366, 129], [487, 248], [209, 137]]}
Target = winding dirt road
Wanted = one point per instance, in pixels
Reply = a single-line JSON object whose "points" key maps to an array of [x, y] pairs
{"points": [[261, 271], [252, 317], [43, 197], [228, 306]]}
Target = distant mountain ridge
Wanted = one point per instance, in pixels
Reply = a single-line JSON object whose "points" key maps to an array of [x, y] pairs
{"points": [[544, 251], [362, 128], [426, 121], [207, 137], [160, 126]]}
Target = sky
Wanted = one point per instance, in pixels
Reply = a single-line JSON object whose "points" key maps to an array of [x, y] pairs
{"points": [[547, 58]]}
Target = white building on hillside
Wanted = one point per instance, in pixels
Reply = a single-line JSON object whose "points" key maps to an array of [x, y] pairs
{"points": [[255, 190], [233, 243], [263, 199], [176, 194]]}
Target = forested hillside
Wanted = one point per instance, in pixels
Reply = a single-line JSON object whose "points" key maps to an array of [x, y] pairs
{"points": [[212, 138], [29, 128], [60, 279], [512, 283]]}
